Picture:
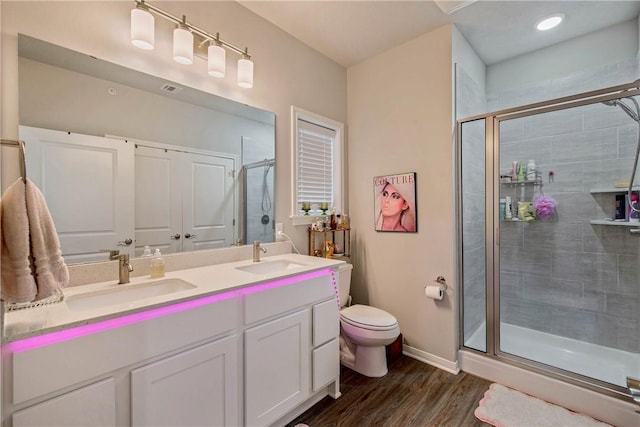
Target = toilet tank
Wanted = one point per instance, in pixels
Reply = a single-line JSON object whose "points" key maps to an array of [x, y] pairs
{"points": [[344, 282]]}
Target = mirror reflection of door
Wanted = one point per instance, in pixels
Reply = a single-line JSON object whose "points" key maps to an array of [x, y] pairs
{"points": [[158, 206], [184, 200], [208, 201], [87, 183], [181, 201]]}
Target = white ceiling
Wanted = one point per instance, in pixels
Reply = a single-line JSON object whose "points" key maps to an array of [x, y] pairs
{"points": [[351, 31]]}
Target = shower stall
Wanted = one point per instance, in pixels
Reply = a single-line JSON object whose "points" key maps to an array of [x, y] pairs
{"points": [[257, 222], [549, 246]]}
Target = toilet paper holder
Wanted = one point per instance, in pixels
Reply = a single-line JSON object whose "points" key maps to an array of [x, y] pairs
{"points": [[440, 280]]}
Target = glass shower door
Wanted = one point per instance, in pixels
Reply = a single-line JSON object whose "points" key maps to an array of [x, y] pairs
{"points": [[569, 272], [473, 201]]}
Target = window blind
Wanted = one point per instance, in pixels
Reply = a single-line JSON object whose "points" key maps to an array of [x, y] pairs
{"points": [[315, 163]]}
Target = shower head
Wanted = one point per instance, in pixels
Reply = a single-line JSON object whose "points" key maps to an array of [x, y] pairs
{"points": [[625, 108]]}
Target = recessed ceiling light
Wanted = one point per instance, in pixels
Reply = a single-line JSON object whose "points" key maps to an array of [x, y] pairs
{"points": [[550, 22]]}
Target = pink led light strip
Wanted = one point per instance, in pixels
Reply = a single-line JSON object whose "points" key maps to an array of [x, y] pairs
{"points": [[118, 322]]}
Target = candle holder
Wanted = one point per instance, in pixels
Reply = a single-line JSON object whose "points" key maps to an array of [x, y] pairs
{"points": [[306, 207], [324, 207]]}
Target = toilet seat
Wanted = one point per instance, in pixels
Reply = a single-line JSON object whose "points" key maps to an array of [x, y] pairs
{"points": [[367, 317]]}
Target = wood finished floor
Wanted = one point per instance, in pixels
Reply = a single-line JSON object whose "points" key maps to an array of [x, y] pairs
{"points": [[411, 394]]}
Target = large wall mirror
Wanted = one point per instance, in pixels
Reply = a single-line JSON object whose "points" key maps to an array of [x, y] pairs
{"points": [[127, 160]]}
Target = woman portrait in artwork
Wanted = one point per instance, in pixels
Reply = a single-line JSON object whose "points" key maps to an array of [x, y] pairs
{"points": [[395, 203]]}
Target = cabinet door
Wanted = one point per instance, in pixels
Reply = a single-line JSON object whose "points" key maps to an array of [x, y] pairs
{"points": [[277, 368], [196, 388], [93, 405]]}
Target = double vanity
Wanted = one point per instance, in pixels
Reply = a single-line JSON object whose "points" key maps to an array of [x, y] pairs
{"points": [[230, 344]]}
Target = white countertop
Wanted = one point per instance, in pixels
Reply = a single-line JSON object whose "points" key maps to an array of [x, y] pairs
{"points": [[208, 280]]}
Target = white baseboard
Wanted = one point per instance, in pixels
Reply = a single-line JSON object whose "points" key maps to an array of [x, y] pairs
{"points": [[431, 359], [604, 408]]}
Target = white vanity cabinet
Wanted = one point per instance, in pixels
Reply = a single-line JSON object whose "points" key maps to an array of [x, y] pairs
{"points": [[181, 364], [255, 356], [291, 347]]}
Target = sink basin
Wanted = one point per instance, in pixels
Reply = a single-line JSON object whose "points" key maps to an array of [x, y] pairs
{"points": [[269, 267], [122, 294]]}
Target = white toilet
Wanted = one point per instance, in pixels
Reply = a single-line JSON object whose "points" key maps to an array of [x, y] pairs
{"points": [[364, 331]]}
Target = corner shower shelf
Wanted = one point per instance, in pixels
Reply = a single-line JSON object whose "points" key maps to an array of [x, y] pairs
{"points": [[615, 223], [612, 190], [532, 182]]}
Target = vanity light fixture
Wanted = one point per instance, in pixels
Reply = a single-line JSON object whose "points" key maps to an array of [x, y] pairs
{"points": [[183, 43], [216, 58], [185, 37], [245, 70], [549, 22], [142, 27]]}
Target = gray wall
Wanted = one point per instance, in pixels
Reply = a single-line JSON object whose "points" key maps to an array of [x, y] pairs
{"points": [[607, 46]]}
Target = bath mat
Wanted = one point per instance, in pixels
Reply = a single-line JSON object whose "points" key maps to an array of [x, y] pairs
{"points": [[504, 407]]}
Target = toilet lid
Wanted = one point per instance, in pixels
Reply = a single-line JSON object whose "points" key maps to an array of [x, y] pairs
{"points": [[368, 317]]}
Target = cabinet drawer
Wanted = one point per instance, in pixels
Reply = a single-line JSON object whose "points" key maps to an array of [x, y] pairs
{"points": [[281, 299], [326, 322], [92, 405], [326, 364]]}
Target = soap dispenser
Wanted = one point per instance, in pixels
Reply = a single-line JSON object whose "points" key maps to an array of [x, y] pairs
{"points": [[146, 253], [157, 265]]}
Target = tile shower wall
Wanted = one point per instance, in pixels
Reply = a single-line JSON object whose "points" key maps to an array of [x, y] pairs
{"points": [[471, 102], [259, 199], [566, 276], [260, 203]]}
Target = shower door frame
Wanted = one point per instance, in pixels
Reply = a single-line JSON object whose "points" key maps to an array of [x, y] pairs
{"points": [[492, 230]]}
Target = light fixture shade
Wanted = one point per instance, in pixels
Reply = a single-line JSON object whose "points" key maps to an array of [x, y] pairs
{"points": [[142, 28], [216, 59], [245, 72], [183, 46]]}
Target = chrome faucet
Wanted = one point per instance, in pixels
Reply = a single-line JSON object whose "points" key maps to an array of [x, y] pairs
{"points": [[256, 250], [124, 268]]}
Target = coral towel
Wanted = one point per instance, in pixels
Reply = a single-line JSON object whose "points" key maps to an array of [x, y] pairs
{"points": [[35, 268]]}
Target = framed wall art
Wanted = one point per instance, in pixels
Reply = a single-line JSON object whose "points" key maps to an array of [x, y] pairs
{"points": [[395, 203]]}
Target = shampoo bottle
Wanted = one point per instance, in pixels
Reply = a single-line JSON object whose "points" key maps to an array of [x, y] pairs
{"points": [[521, 172], [157, 265], [531, 170], [508, 213]]}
